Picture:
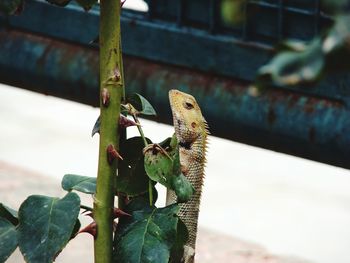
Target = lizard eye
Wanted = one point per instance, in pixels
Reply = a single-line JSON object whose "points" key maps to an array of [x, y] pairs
{"points": [[188, 105]]}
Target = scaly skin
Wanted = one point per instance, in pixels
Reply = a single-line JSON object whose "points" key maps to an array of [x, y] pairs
{"points": [[191, 131]]}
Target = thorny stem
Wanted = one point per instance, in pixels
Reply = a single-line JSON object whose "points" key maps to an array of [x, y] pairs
{"points": [[111, 83], [150, 186]]}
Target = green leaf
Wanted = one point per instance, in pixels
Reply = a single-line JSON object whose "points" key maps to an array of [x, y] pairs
{"points": [[9, 7], [9, 214], [141, 104], [147, 236], [132, 178], [292, 68], [79, 183], [75, 229], [182, 187], [86, 4], [162, 164], [232, 11], [59, 2], [96, 128], [8, 239], [46, 225], [181, 239]]}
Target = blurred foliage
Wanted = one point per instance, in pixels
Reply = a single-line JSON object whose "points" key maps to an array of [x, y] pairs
{"points": [[10, 7], [300, 63], [232, 11]]}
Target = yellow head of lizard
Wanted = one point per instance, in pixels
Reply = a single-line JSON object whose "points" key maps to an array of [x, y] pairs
{"points": [[188, 119]]}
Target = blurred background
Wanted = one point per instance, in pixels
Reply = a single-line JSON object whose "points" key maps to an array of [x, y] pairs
{"points": [[290, 206]]}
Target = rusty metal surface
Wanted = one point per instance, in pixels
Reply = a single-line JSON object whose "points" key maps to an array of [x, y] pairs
{"points": [[286, 121]]}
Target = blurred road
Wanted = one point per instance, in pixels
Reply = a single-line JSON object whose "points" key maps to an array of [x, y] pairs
{"points": [[288, 205]]}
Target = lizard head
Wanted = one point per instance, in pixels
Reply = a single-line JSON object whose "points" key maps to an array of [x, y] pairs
{"points": [[188, 119]]}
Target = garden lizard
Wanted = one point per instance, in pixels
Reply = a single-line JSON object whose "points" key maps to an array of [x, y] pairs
{"points": [[191, 131]]}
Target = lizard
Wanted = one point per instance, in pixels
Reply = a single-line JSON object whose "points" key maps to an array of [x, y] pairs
{"points": [[191, 131]]}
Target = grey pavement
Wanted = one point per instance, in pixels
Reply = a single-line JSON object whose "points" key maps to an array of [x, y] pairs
{"points": [[287, 205]]}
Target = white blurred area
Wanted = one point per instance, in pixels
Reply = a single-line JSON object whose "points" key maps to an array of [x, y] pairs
{"points": [[289, 205]]}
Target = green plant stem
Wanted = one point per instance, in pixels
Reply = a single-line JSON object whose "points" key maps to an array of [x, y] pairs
{"points": [[111, 83], [140, 130], [150, 186]]}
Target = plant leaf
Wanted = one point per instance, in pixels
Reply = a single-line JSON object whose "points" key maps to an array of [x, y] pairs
{"points": [[76, 229], [86, 4], [162, 164], [9, 214], [9, 7], [8, 239], [96, 128], [292, 68], [141, 104], [147, 236], [181, 239], [132, 178], [46, 225], [79, 183]]}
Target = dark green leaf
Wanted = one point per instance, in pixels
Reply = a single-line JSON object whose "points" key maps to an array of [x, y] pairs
{"points": [[182, 187], [59, 2], [79, 183], [132, 178], [141, 104], [8, 239], [162, 164], [96, 128], [158, 165], [147, 236], [75, 229], [9, 7], [181, 239], [9, 214], [86, 4], [46, 225]]}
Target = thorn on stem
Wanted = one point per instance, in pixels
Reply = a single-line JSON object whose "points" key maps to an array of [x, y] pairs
{"points": [[112, 154], [124, 122], [117, 213], [105, 97], [91, 229]]}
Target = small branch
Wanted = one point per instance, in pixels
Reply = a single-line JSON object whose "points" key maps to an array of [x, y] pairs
{"points": [[150, 186]]}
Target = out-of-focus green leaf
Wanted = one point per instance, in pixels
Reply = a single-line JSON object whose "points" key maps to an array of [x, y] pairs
{"points": [[9, 214], [132, 178], [79, 183], [9, 7], [291, 68], [59, 2], [232, 11], [141, 104], [8, 239], [147, 236], [335, 6], [46, 225], [301, 63], [86, 4]]}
